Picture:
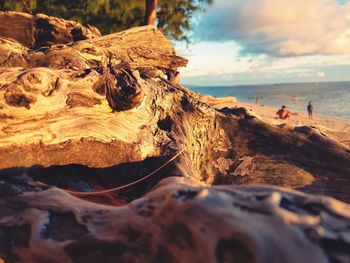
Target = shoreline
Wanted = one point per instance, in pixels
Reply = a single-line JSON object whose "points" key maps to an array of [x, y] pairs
{"points": [[322, 116], [334, 128]]}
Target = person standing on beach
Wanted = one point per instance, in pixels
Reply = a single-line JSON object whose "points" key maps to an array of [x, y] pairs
{"points": [[257, 100], [310, 109]]}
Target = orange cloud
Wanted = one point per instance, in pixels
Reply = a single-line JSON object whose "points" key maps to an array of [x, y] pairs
{"points": [[284, 28], [300, 27]]}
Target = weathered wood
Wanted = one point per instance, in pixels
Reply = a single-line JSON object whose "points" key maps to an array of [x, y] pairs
{"points": [[42, 30], [142, 47], [82, 117], [179, 221], [11, 53]]}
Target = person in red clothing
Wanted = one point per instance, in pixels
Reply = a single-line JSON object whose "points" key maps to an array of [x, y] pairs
{"points": [[283, 113]]}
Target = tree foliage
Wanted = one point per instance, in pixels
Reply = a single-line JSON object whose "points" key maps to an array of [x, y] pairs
{"points": [[174, 16]]}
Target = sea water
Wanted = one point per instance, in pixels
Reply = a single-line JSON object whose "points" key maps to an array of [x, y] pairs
{"points": [[331, 99]]}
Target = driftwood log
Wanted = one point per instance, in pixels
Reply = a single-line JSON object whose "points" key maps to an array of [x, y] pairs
{"points": [[42, 30], [101, 112], [179, 221]]}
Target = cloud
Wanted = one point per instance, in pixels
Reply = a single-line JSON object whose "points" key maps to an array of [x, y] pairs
{"points": [[209, 58], [213, 63], [279, 28]]}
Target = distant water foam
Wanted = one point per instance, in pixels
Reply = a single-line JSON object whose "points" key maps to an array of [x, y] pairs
{"points": [[331, 99]]}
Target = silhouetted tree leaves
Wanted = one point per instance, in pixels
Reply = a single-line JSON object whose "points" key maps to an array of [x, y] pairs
{"points": [[174, 17]]}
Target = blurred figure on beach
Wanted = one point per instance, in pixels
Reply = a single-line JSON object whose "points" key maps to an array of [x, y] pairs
{"points": [[310, 109], [294, 98], [257, 100], [284, 113]]}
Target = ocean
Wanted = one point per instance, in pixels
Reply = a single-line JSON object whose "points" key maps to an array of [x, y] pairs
{"points": [[328, 98]]}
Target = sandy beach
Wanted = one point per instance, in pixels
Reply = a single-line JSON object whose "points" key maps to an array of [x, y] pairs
{"points": [[334, 128]]}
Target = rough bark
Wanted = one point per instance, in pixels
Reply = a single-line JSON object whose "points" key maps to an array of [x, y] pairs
{"points": [[26, 7], [100, 120], [151, 12], [179, 221], [99, 113], [42, 30], [142, 47]]}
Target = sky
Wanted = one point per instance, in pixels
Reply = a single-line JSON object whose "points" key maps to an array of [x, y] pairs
{"points": [[238, 42]]}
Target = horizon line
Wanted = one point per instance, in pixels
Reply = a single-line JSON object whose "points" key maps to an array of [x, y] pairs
{"points": [[264, 84]]}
